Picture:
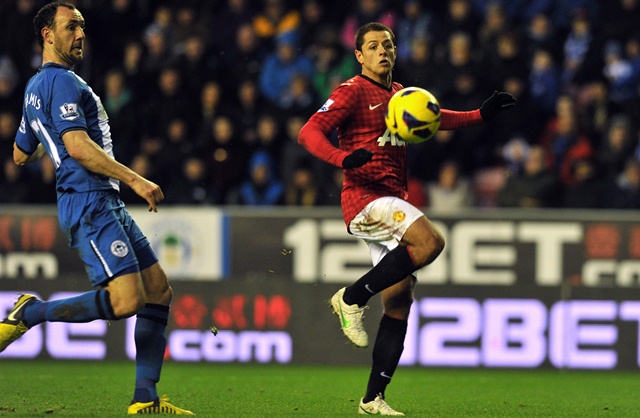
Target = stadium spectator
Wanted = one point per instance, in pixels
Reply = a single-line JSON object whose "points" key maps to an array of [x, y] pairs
{"points": [[315, 20], [298, 98], [458, 18], [582, 52], [225, 155], [618, 19], [12, 186], [115, 24], [244, 57], [494, 24], [597, 109], [282, 66], [302, 187], [270, 135], [451, 191], [460, 59], [292, 155], [177, 146], [563, 12], [589, 188], [188, 24], [415, 22], [364, 11], [624, 190], [132, 60], [332, 65], [228, 20], [211, 104], [246, 111], [261, 187], [123, 111], [17, 35], [157, 54], [505, 58], [540, 34], [618, 72], [197, 64], [41, 183], [616, 147], [167, 101], [332, 189], [536, 187], [274, 19], [544, 82], [564, 142], [420, 68], [193, 185]]}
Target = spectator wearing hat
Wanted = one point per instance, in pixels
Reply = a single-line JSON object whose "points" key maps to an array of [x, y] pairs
{"points": [[282, 67]]}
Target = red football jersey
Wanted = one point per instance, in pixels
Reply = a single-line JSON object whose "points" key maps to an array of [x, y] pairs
{"points": [[356, 110]]}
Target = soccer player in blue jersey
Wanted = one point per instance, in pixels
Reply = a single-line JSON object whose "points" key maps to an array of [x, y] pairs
{"points": [[64, 118]]}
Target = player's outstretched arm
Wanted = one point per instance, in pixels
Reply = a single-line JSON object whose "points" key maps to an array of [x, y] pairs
{"points": [[496, 104], [22, 158], [86, 152]]}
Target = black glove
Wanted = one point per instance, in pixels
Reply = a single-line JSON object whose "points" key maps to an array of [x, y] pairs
{"points": [[496, 104], [357, 158]]}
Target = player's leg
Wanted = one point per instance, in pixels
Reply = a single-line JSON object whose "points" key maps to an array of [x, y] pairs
{"points": [[150, 333], [389, 342], [94, 231], [383, 225], [388, 347], [150, 339], [421, 244]]}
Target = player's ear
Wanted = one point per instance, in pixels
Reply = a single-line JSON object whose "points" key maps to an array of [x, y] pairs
{"points": [[359, 56], [46, 33]]}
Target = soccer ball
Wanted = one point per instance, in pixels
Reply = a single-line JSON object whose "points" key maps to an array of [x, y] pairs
{"points": [[413, 115]]}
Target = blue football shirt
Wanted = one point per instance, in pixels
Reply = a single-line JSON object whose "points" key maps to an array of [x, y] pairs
{"points": [[57, 101]]}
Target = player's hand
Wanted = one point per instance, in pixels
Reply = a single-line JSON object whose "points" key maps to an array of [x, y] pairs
{"points": [[496, 104], [149, 191], [357, 158]]}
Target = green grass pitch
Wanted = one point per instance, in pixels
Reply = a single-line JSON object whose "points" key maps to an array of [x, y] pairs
{"points": [[93, 389]]}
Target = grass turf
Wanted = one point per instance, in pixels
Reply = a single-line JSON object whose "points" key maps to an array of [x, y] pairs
{"points": [[91, 389]]}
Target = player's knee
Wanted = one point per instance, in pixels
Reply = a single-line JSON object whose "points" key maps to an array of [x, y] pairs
{"points": [[429, 249], [161, 294], [437, 244], [129, 306], [399, 305]]}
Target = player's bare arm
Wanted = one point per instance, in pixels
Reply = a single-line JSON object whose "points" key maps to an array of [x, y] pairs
{"points": [[82, 149], [22, 158]]}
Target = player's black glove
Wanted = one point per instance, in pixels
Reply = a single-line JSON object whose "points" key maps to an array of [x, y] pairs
{"points": [[357, 158], [496, 104]]}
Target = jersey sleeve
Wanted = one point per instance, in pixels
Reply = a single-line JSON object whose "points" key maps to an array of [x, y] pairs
{"points": [[26, 140], [315, 133], [452, 119], [67, 112]]}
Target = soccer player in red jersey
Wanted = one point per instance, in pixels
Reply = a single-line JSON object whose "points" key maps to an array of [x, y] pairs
{"points": [[400, 237]]}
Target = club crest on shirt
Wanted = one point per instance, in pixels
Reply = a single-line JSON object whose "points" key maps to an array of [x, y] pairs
{"points": [[399, 216], [326, 106], [119, 248], [69, 111]]}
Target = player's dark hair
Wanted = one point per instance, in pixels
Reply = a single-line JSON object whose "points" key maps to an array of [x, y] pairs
{"points": [[372, 27], [46, 18]]}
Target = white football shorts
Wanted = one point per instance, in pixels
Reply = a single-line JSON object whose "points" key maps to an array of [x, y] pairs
{"points": [[383, 223]]}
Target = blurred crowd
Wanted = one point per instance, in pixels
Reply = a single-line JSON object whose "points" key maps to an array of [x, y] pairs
{"points": [[206, 97]]}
